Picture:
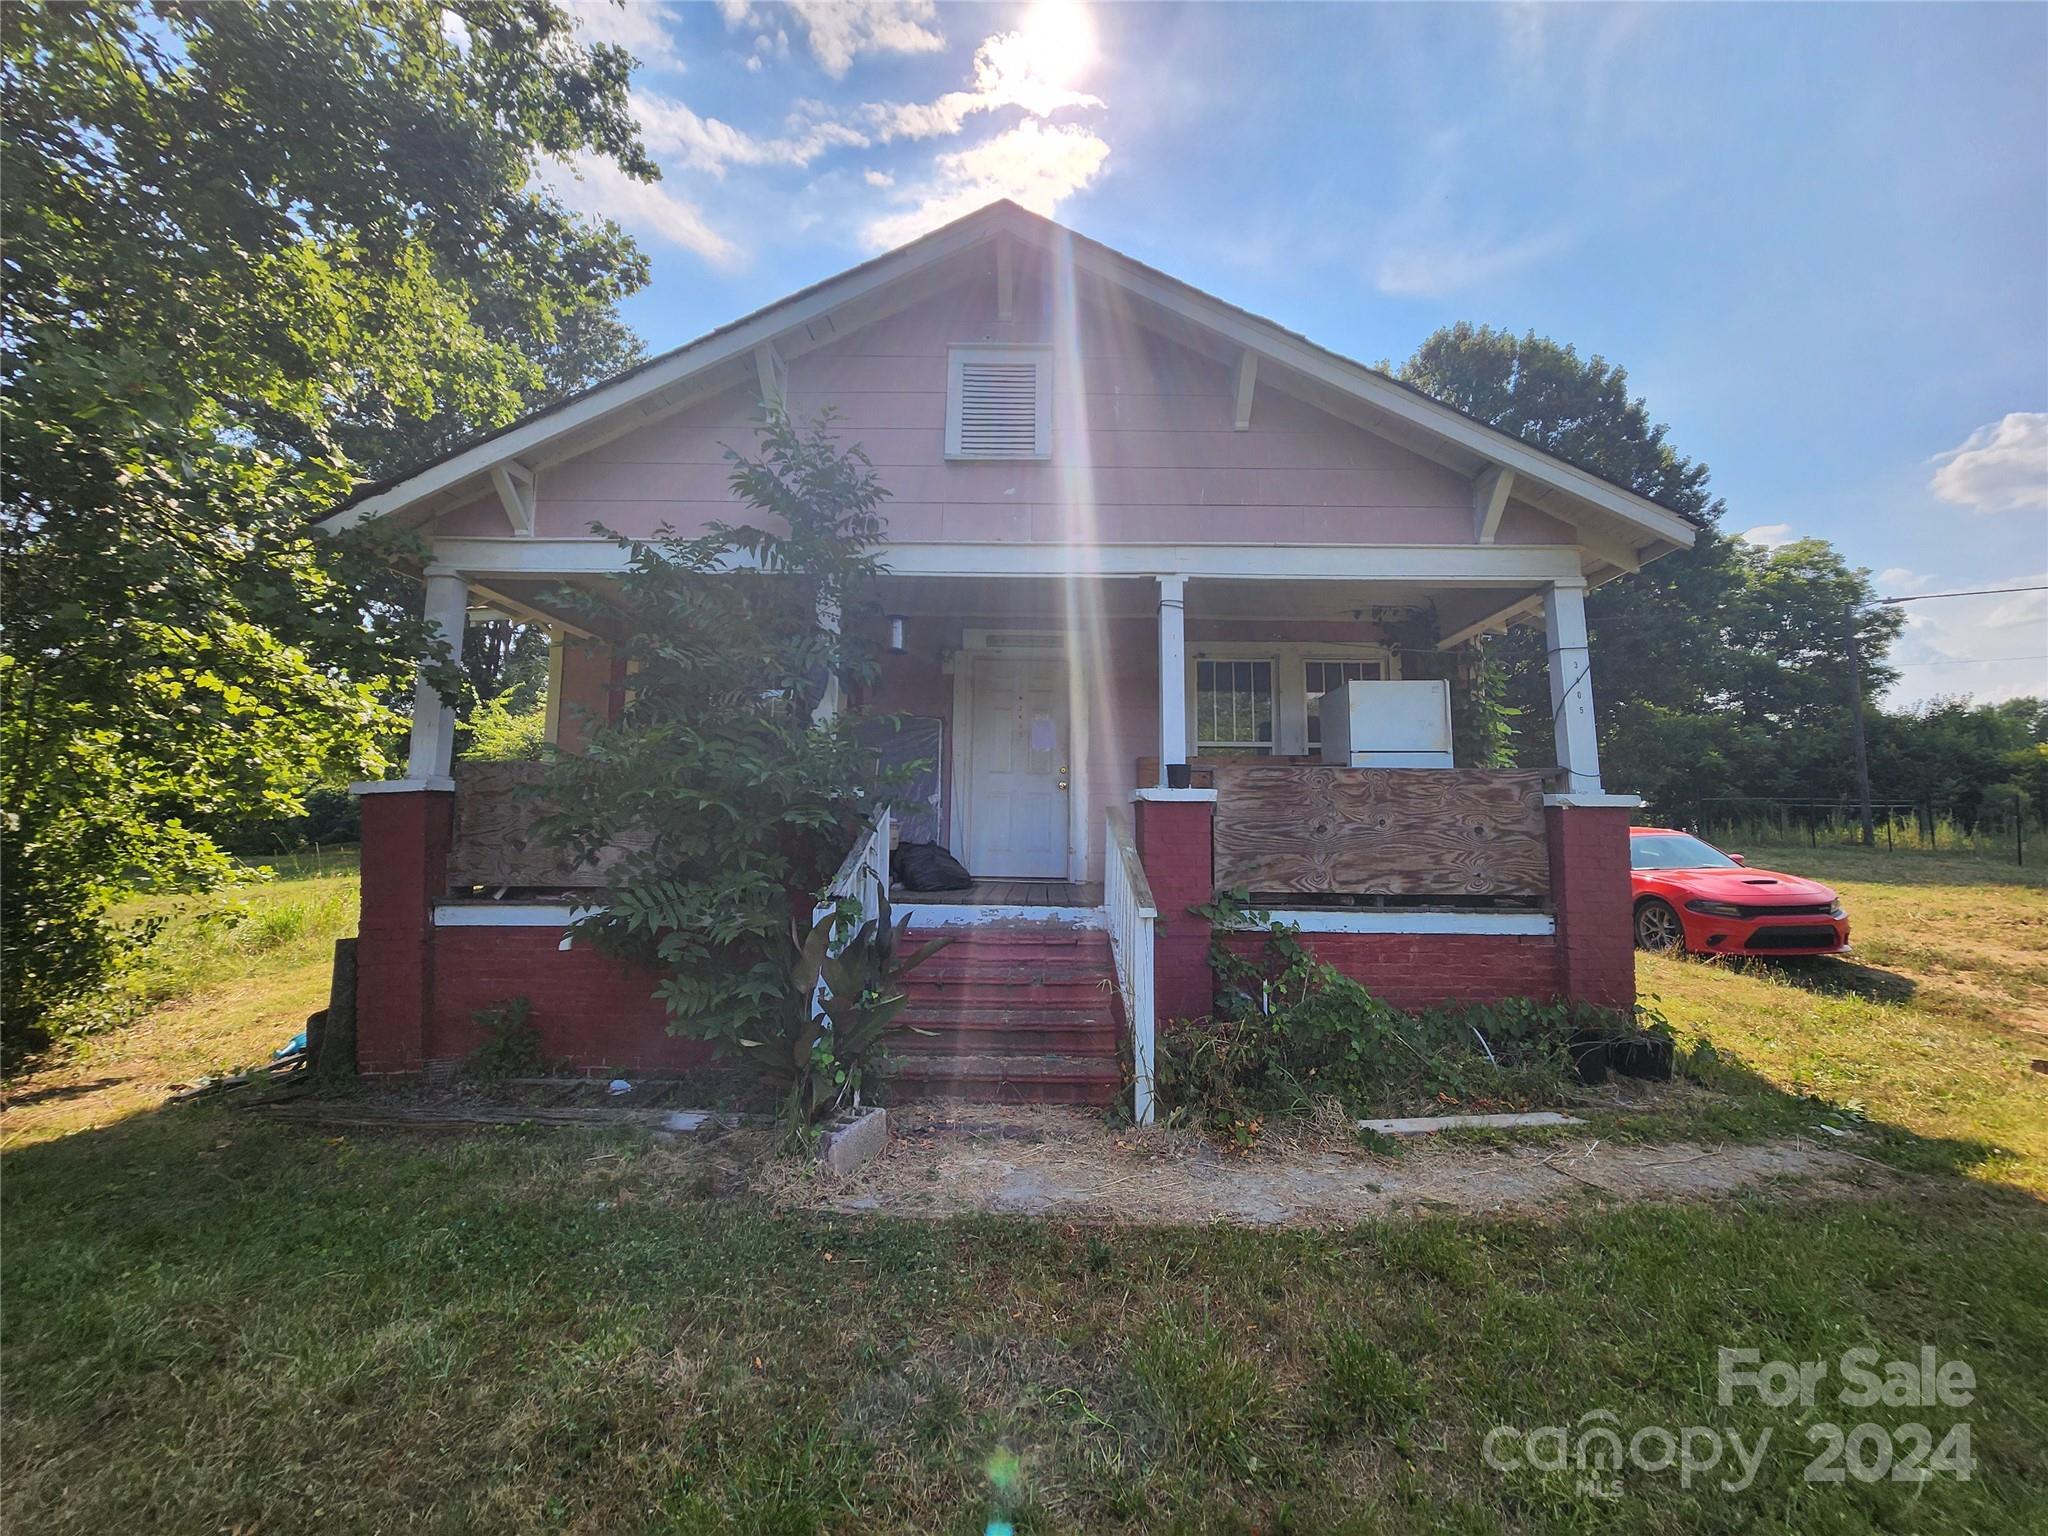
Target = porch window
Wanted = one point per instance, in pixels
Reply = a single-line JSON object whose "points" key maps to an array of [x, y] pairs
{"points": [[1234, 707], [1319, 677]]}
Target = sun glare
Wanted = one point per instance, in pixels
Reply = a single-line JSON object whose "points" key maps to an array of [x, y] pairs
{"points": [[1059, 40]]}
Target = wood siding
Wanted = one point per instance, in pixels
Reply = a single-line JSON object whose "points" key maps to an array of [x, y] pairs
{"points": [[1405, 832], [1146, 453]]}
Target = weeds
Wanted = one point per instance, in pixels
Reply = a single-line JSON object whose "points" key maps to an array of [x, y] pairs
{"points": [[1290, 1030]]}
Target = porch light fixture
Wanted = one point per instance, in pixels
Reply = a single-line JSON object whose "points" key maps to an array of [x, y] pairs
{"points": [[896, 634]]}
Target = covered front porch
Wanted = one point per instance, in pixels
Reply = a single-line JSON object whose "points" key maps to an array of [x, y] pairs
{"points": [[1104, 748]]}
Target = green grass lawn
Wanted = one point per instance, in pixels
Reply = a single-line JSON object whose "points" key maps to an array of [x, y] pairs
{"points": [[212, 1322]]}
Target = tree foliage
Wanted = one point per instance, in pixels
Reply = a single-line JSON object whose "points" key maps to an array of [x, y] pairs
{"points": [[736, 795], [1717, 670], [250, 252]]}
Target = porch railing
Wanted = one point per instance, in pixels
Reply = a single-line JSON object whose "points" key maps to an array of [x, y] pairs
{"points": [[1133, 922], [863, 878]]}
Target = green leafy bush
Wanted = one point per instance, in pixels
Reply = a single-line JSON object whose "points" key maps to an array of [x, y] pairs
{"points": [[501, 733], [733, 792], [824, 1061], [511, 1045]]}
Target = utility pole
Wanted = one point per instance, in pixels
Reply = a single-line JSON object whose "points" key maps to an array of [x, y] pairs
{"points": [[1856, 725]]}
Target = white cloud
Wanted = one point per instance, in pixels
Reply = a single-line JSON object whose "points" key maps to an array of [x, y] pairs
{"points": [[878, 178], [1437, 269], [1896, 581], [1770, 535], [1010, 70], [706, 144], [638, 26], [839, 31], [1423, 251], [455, 30], [1999, 468], [1036, 164], [592, 184]]}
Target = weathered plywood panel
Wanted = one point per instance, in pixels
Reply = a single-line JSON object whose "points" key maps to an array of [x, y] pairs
{"points": [[495, 841], [1413, 832]]}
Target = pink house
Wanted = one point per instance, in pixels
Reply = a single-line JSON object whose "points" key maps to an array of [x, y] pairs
{"points": [[1142, 544]]}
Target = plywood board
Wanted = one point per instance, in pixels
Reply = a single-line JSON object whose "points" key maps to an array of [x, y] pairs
{"points": [[1410, 832], [495, 842]]}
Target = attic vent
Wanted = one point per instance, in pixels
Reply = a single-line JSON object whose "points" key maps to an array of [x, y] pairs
{"points": [[999, 403]]}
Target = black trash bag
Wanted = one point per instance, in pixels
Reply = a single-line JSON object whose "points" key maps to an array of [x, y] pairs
{"points": [[928, 867]]}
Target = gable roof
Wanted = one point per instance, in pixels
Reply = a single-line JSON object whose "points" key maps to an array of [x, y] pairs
{"points": [[706, 365]]}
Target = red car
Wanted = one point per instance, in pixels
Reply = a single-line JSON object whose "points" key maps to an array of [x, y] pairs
{"points": [[1690, 896]]}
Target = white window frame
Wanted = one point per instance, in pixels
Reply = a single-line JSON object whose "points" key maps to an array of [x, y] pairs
{"points": [[1195, 744], [1000, 352], [1290, 690]]}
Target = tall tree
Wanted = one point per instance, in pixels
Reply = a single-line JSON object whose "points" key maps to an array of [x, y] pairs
{"points": [[1700, 654], [250, 251]]}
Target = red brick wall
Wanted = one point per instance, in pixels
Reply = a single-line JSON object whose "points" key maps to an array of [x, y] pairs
{"points": [[1590, 959], [1590, 891], [1419, 970], [1177, 847], [592, 1011], [405, 871]]}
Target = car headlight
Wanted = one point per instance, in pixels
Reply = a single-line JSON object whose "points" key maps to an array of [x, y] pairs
{"points": [[1714, 908], [1838, 912]]}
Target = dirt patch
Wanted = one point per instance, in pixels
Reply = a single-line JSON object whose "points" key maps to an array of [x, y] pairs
{"points": [[1054, 1162]]}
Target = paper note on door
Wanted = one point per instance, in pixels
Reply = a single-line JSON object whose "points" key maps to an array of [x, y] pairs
{"points": [[1041, 733]]}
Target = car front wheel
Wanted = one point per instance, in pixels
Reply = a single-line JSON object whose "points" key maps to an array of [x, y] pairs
{"points": [[1658, 928]]}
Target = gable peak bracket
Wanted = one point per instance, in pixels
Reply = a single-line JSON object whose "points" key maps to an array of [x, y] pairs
{"points": [[772, 370], [518, 493], [1489, 500], [1247, 384], [1006, 279]]}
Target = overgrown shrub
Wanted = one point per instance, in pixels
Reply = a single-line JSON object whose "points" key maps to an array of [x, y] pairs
{"points": [[824, 1061], [733, 791], [501, 733], [511, 1044], [1289, 1029]]}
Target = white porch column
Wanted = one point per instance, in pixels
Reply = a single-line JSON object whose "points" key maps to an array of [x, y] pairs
{"points": [[433, 719], [829, 701], [1571, 686], [1173, 672]]}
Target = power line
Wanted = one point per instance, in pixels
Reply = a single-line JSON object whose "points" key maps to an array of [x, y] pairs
{"points": [[1922, 597]]}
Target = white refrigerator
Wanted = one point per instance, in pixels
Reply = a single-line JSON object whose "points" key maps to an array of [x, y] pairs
{"points": [[1388, 725]]}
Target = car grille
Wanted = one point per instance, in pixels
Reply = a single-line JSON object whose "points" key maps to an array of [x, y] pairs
{"points": [[1803, 909], [1799, 937]]}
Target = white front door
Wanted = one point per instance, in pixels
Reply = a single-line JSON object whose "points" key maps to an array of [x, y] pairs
{"points": [[1017, 776]]}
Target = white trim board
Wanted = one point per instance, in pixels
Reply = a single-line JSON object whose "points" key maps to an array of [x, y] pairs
{"points": [[932, 914], [1451, 565], [1496, 924], [508, 914]]}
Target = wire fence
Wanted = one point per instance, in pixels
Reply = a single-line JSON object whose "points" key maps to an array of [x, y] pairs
{"points": [[2004, 830]]}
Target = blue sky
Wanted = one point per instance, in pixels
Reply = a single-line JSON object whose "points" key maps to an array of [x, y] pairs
{"points": [[1817, 236]]}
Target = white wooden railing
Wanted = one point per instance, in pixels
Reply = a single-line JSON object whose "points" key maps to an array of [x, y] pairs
{"points": [[862, 878], [1133, 922]]}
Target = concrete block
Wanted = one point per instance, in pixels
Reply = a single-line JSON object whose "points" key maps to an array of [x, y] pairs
{"points": [[850, 1146]]}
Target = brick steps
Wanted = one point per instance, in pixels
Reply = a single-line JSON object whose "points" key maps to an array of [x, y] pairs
{"points": [[1022, 1014], [1008, 1078]]}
